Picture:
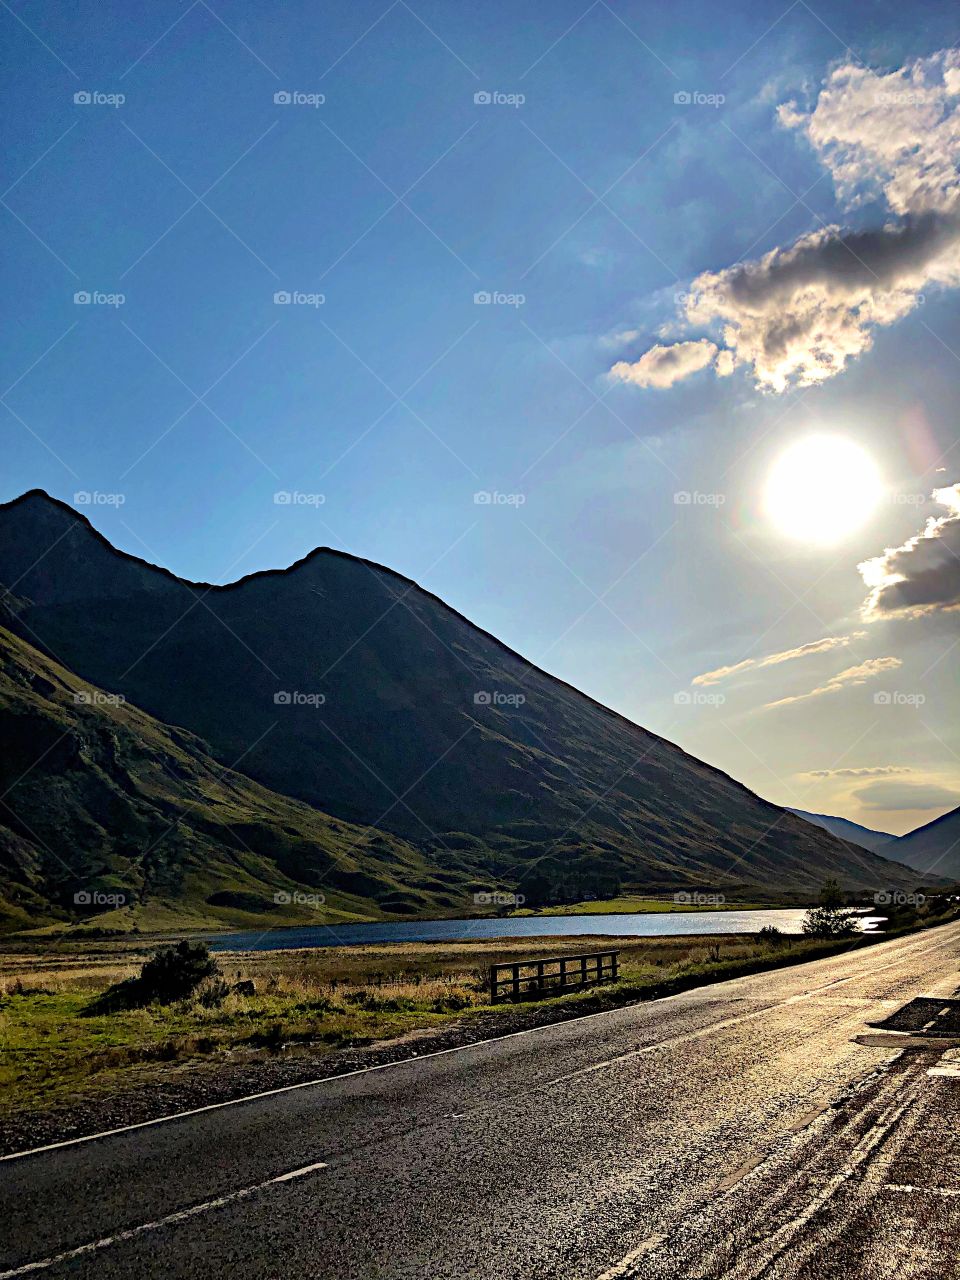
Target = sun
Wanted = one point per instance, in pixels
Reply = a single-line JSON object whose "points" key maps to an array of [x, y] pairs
{"points": [[822, 489]]}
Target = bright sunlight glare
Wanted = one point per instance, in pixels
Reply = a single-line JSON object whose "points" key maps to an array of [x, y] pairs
{"points": [[822, 489]]}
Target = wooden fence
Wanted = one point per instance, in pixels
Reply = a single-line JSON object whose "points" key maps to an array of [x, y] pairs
{"points": [[549, 975]]}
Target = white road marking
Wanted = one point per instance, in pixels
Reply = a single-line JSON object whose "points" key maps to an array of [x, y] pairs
{"points": [[623, 1266], [926, 1191], [714, 1026], [460, 1048], [182, 1215], [734, 1179]]}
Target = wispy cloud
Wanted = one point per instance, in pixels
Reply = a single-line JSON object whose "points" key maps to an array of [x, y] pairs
{"points": [[774, 659], [663, 366], [877, 771], [923, 575], [798, 314], [859, 674]]}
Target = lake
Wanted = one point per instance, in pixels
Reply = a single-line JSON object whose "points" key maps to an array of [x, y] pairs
{"points": [[626, 925]]}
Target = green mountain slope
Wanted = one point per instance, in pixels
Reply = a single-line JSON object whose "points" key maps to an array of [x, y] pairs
{"points": [[101, 800], [346, 685]]}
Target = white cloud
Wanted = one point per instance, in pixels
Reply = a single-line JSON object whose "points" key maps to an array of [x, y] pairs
{"points": [[800, 313], [877, 771], [923, 575], [894, 134], [859, 674], [663, 366], [774, 659]]}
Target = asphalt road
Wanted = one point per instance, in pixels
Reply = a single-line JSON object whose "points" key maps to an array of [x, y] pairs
{"points": [[735, 1131]]}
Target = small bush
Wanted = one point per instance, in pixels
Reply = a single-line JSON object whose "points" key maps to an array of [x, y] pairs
{"points": [[829, 922], [771, 936], [171, 974], [213, 993]]}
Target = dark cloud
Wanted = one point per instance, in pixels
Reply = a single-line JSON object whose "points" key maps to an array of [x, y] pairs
{"points": [[800, 313], [907, 795], [923, 575]]}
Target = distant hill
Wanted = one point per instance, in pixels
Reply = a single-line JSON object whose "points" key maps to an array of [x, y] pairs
{"points": [[933, 847], [846, 830], [100, 799], [347, 686]]}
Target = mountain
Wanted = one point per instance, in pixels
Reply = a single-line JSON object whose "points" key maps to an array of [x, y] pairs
{"points": [[865, 837], [100, 799], [346, 686], [935, 846]]}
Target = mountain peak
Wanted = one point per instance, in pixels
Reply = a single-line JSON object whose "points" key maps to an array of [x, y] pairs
{"points": [[345, 685]]}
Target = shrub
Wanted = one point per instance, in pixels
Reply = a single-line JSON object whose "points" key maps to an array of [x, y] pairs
{"points": [[771, 936], [213, 993], [172, 973], [829, 922]]}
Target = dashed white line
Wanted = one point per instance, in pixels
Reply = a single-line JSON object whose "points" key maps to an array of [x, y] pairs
{"points": [[182, 1215], [622, 1268], [461, 1048]]}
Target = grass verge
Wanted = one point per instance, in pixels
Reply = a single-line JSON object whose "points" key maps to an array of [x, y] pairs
{"points": [[53, 1050]]}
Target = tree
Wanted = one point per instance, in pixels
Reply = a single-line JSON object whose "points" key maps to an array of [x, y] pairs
{"points": [[829, 921], [831, 895]]}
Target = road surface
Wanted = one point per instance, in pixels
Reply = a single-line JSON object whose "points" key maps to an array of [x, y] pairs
{"points": [[735, 1131]]}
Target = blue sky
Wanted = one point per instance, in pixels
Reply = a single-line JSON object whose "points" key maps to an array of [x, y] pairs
{"points": [[596, 199]]}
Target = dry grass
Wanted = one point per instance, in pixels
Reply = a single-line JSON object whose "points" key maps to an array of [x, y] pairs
{"points": [[52, 1045]]}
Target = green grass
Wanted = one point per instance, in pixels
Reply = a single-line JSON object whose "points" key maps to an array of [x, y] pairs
{"points": [[630, 904], [53, 1050]]}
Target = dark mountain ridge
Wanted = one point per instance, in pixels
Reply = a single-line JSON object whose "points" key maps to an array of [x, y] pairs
{"points": [[866, 837], [345, 685], [933, 848]]}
